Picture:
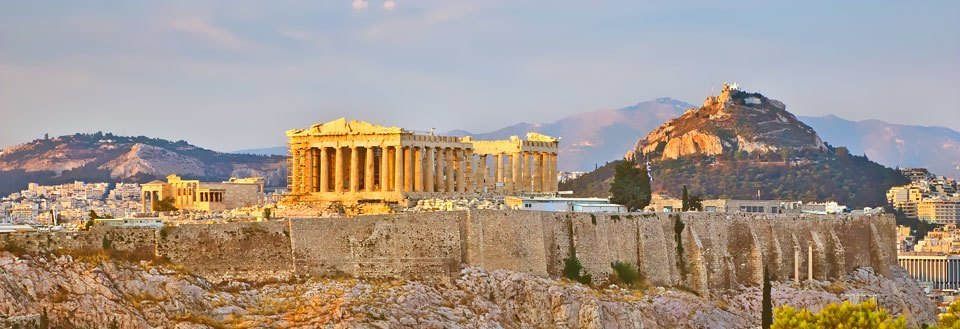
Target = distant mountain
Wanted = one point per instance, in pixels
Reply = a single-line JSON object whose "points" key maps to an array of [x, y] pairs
{"points": [[934, 148], [109, 158], [594, 138], [279, 150], [740, 144]]}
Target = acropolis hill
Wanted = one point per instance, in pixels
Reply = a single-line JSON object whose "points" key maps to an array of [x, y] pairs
{"points": [[349, 161]]}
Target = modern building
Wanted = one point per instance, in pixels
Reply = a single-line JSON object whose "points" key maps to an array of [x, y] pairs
{"points": [[195, 195], [942, 271], [357, 162], [563, 204], [939, 210], [666, 204]]}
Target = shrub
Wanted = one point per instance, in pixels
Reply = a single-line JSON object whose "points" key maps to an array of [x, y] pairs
{"points": [[14, 248], [627, 274], [573, 270], [106, 244], [847, 315]]}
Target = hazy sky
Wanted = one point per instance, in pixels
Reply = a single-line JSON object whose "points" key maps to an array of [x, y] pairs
{"points": [[236, 74]]}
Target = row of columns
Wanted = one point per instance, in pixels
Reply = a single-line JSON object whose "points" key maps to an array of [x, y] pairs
{"points": [[944, 273], [520, 172], [212, 196], [419, 169]]}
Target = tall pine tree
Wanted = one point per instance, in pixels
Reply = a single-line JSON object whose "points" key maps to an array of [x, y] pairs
{"points": [[631, 186]]}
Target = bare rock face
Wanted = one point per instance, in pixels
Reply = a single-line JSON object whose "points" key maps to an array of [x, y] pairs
{"points": [[154, 161], [734, 120], [98, 292]]}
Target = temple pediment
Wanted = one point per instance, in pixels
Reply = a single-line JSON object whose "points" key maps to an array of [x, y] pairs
{"points": [[343, 127]]}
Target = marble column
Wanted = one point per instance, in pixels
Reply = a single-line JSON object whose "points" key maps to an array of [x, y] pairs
{"points": [[338, 170], [483, 177], [523, 180], [470, 176], [384, 170], [514, 173], [407, 168], [460, 178], [538, 172], [500, 175], [417, 152], [448, 170], [324, 171], [554, 182], [398, 169], [440, 180], [295, 171], [430, 168], [368, 170], [354, 169]]}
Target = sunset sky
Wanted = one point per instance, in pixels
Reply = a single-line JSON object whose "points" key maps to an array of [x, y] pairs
{"points": [[230, 75]]}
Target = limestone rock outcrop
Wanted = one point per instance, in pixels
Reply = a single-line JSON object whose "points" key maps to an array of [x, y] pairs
{"points": [[151, 160], [734, 120], [96, 292]]}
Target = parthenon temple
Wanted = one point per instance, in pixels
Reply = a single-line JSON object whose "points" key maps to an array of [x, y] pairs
{"points": [[355, 161]]}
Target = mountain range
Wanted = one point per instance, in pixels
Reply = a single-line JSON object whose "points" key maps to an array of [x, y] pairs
{"points": [[106, 157], [591, 139]]}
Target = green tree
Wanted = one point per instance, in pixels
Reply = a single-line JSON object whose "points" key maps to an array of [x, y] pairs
{"points": [[696, 202], [167, 204], [631, 186], [93, 215], [766, 314], [266, 213], [685, 200], [865, 315]]}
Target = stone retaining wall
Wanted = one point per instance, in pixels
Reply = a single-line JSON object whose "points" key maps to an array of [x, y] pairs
{"points": [[717, 251]]}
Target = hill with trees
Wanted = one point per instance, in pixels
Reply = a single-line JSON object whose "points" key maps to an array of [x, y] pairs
{"points": [[743, 146]]}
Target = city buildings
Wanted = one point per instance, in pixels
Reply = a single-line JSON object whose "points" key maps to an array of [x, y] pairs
{"points": [[352, 162], [929, 198], [69, 203]]}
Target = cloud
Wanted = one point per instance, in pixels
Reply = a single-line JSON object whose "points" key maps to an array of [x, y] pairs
{"points": [[449, 12], [360, 4], [205, 30], [389, 5]]}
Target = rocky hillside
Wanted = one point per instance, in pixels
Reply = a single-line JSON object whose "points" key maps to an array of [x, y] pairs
{"points": [[592, 138], [106, 157], [741, 144], [95, 292], [734, 121]]}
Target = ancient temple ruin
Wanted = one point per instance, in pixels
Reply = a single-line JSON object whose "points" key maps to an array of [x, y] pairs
{"points": [[354, 161]]}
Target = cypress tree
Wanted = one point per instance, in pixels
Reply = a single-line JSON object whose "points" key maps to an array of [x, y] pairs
{"points": [[766, 316], [685, 200]]}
